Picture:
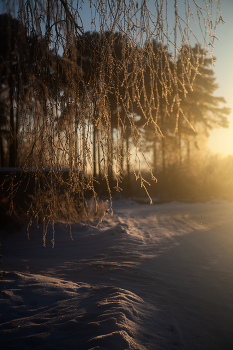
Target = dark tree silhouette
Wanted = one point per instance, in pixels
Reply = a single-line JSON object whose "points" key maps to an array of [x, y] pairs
{"points": [[62, 83], [11, 32], [201, 106]]}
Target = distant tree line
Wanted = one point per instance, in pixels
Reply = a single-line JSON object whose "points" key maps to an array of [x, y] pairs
{"points": [[99, 102], [53, 109]]}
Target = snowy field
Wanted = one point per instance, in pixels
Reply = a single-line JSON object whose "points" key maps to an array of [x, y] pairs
{"points": [[150, 277]]}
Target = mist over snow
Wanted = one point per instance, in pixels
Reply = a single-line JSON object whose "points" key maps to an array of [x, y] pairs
{"points": [[149, 277]]}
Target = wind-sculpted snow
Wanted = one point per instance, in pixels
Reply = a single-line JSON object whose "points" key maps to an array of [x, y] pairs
{"points": [[149, 277], [45, 312]]}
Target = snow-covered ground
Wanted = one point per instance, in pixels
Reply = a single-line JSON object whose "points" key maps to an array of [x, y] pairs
{"points": [[150, 277]]}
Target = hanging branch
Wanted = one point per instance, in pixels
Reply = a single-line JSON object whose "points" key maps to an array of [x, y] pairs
{"points": [[130, 77]]}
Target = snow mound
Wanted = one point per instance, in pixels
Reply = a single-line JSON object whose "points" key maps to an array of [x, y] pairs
{"points": [[49, 313], [150, 277]]}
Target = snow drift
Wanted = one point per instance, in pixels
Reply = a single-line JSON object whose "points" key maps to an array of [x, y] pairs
{"points": [[150, 277]]}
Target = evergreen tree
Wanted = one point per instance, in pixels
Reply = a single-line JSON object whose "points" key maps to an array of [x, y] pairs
{"points": [[101, 80], [201, 106]]}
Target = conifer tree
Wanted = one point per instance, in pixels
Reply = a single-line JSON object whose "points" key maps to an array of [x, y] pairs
{"points": [[65, 100], [201, 106]]}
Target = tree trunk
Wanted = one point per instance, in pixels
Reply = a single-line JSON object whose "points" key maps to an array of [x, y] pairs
{"points": [[17, 128], [179, 147], [163, 139], [110, 159], [122, 152], [71, 150], [127, 149], [99, 166], [76, 136], [94, 150], [188, 151], [2, 164], [84, 148], [155, 157], [12, 146]]}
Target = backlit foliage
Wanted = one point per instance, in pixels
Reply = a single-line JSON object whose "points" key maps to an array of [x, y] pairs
{"points": [[78, 99]]}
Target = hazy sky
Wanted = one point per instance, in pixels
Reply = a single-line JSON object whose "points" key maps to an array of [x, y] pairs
{"points": [[221, 140]]}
